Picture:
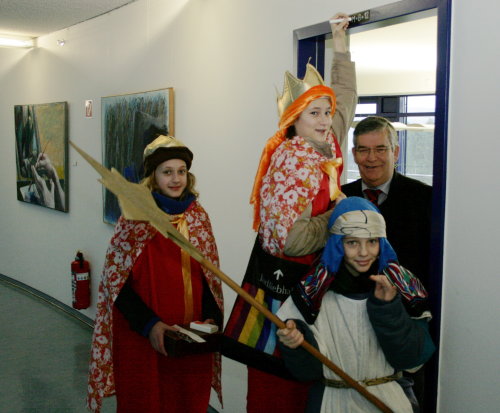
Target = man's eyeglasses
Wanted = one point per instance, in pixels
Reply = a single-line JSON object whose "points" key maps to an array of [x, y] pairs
{"points": [[379, 150]]}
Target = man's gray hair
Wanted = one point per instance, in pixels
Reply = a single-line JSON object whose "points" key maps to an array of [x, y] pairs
{"points": [[376, 123]]}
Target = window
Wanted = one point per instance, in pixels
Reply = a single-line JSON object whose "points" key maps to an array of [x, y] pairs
{"points": [[415, 115]]}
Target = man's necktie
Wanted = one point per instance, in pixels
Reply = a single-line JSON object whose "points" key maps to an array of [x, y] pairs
{"points": [[372, 195]]}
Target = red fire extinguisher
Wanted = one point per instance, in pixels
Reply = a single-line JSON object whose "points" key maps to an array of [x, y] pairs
{"points": [[80, 282]]}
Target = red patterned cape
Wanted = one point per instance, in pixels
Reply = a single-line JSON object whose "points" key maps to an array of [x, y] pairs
{"points": [[127, 243], [289, 186]]}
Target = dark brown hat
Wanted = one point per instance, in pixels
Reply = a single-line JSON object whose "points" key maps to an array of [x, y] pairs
{"points": [[162, 149]]}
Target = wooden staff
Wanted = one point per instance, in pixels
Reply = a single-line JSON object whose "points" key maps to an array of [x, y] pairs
{"points": [[137, 203]]}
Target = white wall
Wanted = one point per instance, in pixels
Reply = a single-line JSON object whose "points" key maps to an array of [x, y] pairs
{"points": [[470, 365], [224, 59]]}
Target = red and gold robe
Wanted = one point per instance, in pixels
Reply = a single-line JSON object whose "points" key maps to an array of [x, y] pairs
{"points": [[136, 248]]}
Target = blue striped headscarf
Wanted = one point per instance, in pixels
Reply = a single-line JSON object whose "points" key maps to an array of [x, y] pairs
{"points": [[369, 223]]}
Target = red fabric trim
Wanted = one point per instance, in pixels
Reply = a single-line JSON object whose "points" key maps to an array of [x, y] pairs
{"points": [[271, 394]]}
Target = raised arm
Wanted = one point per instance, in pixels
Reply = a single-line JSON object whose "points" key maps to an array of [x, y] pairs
{"points": [[343, 77]]}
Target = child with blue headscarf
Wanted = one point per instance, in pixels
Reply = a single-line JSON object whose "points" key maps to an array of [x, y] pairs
{"points": [[363, 311]]}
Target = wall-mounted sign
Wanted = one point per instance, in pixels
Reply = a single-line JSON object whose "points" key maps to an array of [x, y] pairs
{"points": [[358, 18], [88, 108]]}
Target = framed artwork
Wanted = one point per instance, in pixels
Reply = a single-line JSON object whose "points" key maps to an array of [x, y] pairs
{"points": [[42, 154], [126, 123]]}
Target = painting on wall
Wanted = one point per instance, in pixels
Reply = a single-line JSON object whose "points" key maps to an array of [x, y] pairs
{"points": [[127, 123], [42, 154]]}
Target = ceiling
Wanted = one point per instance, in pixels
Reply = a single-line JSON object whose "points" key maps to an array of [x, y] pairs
{"points": [[34, 18]]}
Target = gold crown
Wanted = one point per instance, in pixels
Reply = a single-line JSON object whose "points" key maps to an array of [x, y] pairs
{"points": [[294, 87]]}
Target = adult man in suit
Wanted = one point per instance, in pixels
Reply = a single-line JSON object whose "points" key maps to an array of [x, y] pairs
{"points": [[405, 203]]}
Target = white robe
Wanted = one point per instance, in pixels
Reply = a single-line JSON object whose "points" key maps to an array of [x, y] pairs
{"points": [[345, 335]]}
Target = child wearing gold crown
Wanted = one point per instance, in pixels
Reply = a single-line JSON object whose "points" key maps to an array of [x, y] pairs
{"points": [[148, 286], [295, 188]]}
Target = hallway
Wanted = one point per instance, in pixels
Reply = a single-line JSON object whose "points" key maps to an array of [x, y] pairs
{"points": [[44, 355]]}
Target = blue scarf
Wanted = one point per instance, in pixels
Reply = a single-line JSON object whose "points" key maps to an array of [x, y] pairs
{"points": [[309, 293], [333, 253], [173, 206]]}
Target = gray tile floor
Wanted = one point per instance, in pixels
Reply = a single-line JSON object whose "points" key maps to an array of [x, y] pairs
{"points": [[44, 355]]}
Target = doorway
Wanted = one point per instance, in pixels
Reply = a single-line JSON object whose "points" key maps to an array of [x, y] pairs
{"points": [[310, 44]]}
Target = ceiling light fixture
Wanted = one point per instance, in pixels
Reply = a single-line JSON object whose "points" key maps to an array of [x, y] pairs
{"points": [[11, 41], [61, 42]]}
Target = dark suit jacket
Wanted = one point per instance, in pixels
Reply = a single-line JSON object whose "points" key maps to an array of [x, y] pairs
{"points": [[407, 212]]}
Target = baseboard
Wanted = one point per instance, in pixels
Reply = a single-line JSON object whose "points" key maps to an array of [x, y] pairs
{"points": [[26, 289]]}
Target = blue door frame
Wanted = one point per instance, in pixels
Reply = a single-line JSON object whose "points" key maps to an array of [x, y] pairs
{"points": [[310, 47]]}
